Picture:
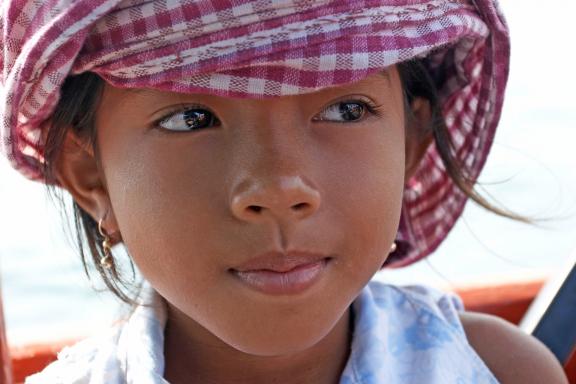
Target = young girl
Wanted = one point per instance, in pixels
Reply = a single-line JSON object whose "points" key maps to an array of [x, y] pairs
{"points": [[261, 161]]}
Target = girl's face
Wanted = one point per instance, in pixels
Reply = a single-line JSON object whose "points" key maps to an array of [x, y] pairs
{"points": [[202, 186]]}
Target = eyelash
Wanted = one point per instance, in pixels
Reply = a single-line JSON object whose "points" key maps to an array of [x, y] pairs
{"points": [[370, 106]]}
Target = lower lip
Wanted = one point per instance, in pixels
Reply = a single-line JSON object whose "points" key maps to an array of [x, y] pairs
{"points": [[295, 281]]}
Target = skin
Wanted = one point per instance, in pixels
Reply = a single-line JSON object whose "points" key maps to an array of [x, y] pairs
{"points": [[512, 356], [182, 202]]}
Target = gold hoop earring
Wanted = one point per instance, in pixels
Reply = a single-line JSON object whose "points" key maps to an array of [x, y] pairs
{"points": [[106, 261], [393, 247]]}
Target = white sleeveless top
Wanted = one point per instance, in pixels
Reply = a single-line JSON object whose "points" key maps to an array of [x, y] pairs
{"points": [[402, 335]]}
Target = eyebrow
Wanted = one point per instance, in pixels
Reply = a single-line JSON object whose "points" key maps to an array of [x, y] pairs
{"points": [[136, 90], [385, 74]]}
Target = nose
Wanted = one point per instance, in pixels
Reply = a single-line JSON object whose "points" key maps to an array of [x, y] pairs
{"points": [[281, 198]]}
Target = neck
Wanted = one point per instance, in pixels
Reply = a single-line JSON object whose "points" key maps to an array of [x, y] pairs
{"points": [[192, 354]]}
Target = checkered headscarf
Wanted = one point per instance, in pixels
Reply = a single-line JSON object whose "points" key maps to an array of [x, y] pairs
{"points": [[264, 48]]}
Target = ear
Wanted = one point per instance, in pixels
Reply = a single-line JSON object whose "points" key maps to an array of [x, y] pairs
{"points": [[418, 134], [77, 170]]}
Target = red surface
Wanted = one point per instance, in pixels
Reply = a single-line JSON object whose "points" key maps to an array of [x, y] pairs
{"points": [[33, 358], [509, 301], [570, 367]]}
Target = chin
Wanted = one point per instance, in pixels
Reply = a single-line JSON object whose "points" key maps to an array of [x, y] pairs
{"points": [[287, 338]]}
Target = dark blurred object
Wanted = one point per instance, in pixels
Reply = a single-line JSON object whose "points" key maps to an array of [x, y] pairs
{"points": [[552, 317]]}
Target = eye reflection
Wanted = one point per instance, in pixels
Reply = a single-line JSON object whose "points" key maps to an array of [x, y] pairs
{"points": [[351, 111], [346, 111], [189, 120]]}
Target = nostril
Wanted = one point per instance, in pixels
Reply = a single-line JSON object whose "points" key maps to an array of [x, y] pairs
{"points": [[296, 207], [255, 208], [300, 206]]}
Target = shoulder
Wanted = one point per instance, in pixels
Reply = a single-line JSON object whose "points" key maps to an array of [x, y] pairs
{"points": [[423, 340], [512, 355]]}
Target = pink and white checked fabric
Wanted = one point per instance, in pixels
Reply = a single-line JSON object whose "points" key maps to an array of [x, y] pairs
{"points": [[264, 48]]}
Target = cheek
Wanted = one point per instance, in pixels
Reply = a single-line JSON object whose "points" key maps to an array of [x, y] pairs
{"points": [[367, 178], [164, 197]]}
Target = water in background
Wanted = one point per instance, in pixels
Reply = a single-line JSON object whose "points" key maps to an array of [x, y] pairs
{"points": [[532, 169]]}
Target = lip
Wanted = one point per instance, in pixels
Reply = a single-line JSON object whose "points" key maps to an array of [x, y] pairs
{"points": [[276, 273], [280, 262]]}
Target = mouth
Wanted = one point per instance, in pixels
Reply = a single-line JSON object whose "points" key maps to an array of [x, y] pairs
{"points": [[276, 273]]}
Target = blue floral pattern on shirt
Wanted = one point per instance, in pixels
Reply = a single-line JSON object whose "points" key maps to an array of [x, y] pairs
{"points": [[405, 335]]}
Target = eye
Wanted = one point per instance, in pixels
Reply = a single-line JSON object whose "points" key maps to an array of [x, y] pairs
{"points": [[189, 119], [345, 111]]}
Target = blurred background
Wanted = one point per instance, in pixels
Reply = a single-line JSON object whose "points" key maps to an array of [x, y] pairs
{"points": [[531, 170]]}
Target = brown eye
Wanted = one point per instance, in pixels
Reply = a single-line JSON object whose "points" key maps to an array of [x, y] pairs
{"points": [[347, 111], [189, 120], [351, 111]]}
